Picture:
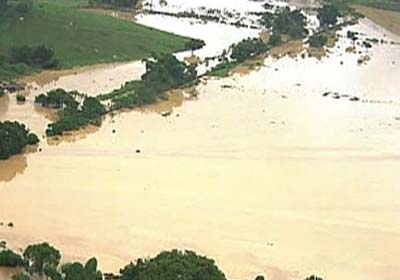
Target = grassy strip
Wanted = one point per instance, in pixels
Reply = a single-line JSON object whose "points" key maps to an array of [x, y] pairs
{"points": [[79, 38]]}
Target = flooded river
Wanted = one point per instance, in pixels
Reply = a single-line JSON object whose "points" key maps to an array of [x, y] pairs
{"points": [[260, 171]]}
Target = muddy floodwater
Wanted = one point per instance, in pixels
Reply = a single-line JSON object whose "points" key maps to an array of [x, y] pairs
{"points": [[260, 171]]}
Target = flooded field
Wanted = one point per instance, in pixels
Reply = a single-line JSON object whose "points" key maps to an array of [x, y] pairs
{"points": [[260, 171]]}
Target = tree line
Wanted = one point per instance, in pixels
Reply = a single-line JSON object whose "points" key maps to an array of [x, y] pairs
{"points": [[113, 3], [43, 261]]}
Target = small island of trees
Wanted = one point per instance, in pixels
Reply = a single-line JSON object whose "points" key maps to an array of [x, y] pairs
{"points": [[14, 137]]}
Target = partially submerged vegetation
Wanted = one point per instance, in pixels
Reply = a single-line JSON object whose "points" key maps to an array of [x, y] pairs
{"points": [[44, 261], [14, 137], [283, 26], [76, 110]]}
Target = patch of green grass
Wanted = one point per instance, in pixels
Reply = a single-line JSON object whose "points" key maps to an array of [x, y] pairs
{"points": [[80, 38], [393, 5]]}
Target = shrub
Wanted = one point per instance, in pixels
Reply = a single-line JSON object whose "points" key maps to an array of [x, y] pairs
{"points": [[13, 138], [32, 139], [318, 40], [327, 15], [21, 98], [10, 259], [248, 48]]}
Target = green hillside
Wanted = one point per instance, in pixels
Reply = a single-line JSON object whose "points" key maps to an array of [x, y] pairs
{"points": [[81, 38]]}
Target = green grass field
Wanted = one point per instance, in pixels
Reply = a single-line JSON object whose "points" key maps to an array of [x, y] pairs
{"points": [[81, 38], [393, 5]]}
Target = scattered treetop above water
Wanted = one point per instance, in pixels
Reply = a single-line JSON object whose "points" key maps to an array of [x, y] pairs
{"points": [[43, 260], [14, 137]]}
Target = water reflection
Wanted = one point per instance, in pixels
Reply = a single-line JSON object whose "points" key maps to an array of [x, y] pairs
{"points": [[12, 167]]}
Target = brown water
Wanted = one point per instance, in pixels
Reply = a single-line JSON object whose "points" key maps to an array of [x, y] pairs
{"points": [[265, 175]]}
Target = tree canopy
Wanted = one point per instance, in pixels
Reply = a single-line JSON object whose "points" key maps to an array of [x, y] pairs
{"points": [[327, 15], [41, 255], [14, 137], [292, 23], [173, 265]]}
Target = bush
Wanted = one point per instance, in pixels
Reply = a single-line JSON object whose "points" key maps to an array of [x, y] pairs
{"points": [[21, 276], [292, 23], [194, 44], [39, 56], [10, 259], [318, 40], [13, 138], [72, 116], [327, 15], [1, 92], [32, 139], [21, 98], [248, 48]]}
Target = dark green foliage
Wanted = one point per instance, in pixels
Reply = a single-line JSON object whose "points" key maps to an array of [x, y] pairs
{"points": [[352, 35], [10, 259], [92, 108], [113, 3], [327, 15], [39, 56], [20, 98], [1, 92], [248, 48], [76, 271], [313, 277], [76, 110], [57, 99], [3, 3], [163, 72], [222, 69], [173, 265], [318, 40], [24, 6], [13, 138], [21, 276], [292, 23], [267, 19], [194, 44], [260, 277], [32, 139], [275, 39], [51, 273], [40, 256]]}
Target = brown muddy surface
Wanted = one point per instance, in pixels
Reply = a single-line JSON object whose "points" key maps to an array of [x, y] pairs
{"points": [[260, 172], [390, 20]]}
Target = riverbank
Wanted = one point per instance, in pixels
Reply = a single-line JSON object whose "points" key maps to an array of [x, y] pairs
{"points": [[260, 171], [390, 20], [80, 38]]}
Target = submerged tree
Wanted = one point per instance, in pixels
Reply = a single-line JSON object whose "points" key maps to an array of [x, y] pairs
{"points": [[41, 255], [327, 15], [173, 265]]}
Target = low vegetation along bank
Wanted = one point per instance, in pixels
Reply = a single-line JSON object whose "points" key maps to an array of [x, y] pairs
{"points": [[72, 37], [42, 261], [75, 110], [282, 26]]}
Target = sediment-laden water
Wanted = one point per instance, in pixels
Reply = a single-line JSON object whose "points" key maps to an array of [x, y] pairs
{"points": [[261, 171]]}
